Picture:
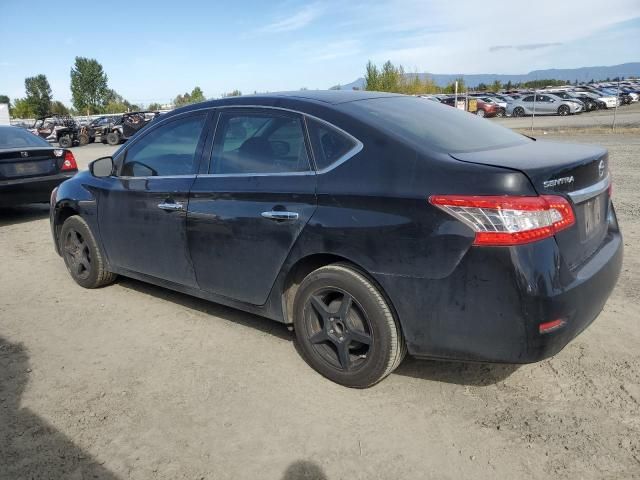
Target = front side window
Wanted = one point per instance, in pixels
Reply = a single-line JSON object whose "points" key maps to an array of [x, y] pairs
{"points": [[259, 143], [329, 144], [167, 150]]}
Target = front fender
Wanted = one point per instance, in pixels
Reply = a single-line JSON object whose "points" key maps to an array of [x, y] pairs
{"points": [[73, 197]]}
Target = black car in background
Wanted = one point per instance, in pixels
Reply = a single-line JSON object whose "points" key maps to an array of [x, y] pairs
{"points": [[30, 168], [372, 223]]}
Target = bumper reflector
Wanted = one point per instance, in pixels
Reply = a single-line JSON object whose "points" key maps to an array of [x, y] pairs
{"points": [[552, 326]]}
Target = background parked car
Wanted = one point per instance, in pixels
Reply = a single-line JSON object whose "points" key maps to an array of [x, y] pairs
{"points": [[30, 168], [544, 104]]}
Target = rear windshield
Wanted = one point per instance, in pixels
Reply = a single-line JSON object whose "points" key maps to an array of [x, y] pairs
{"points": [[433, 125], [14, 137]]}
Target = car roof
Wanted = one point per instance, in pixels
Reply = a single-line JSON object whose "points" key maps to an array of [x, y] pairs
{"points": [[317, 97]]}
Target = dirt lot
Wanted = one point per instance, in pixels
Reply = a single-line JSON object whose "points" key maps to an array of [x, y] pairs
{"points": [[134, 381]]}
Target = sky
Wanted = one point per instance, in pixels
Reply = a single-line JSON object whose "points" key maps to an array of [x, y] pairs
{"points": [[154, 50]]}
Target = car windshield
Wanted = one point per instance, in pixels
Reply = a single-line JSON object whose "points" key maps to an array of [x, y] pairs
{"points": [[14, 137], [432, 125]]}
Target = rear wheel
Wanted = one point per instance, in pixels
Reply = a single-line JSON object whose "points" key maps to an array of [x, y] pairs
{"points": [[65, 141], [518, 112], [81, 254], [345, 328], [563, 110], [113, 138]]}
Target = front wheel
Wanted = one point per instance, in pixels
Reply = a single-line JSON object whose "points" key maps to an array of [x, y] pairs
{"points": [[480, 112], [81, 254], [113, 138], [65, 141], [345, 328], [83, 139], [563, 110], [518, 112]]}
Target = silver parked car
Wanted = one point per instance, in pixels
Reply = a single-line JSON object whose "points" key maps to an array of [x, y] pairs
{"points": [[544, 104]]}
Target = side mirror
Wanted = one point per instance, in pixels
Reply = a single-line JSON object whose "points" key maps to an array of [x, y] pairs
{"points": [[102, 167]]}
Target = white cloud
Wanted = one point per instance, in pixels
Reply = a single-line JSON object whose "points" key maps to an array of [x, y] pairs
{"points": [[296, 21]]}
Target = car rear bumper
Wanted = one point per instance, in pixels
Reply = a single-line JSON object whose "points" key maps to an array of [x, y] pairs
{"points": [[30, 190], [490, 308]]}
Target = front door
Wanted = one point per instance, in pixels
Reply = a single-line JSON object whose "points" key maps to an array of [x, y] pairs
{"points": [[142, 213], [247, 212]]}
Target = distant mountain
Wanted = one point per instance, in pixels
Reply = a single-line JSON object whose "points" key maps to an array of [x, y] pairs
{"points": [[583, 74]]}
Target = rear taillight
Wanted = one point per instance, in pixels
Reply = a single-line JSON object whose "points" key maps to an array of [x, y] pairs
{"points": [[508, 220], [69, 162]]}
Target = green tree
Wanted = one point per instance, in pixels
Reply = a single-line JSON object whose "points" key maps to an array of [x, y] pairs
{"points": [[496, 86], [509, 85], [371, 77], [58, 107], [195, 96], [89, 89], [232, 93], [22, 109], [38, 93], [483, 87], [451, 87], [154, 106], [5, 99]]}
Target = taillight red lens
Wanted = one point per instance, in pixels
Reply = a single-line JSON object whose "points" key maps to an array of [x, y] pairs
{"points": [[508, 220], [69, 162]]}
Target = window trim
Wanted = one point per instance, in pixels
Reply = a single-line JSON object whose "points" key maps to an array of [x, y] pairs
{"points": [[120, 157], [313, 170], [299, 115], [353, 151]]}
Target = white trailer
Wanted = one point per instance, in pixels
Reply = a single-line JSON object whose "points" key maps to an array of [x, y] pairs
{"points": [[4, 114]]}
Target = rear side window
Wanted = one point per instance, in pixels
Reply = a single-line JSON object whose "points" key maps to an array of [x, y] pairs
{"points": [[259, 143], [329, 145], [167, 150]]}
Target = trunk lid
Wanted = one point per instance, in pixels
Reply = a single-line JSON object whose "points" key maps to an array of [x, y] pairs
{"points": [[578, 172], [29, 162]]}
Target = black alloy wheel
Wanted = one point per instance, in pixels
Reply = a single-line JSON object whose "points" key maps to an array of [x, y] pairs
{"points": [[345, 328], [338, 329], [518, 112], [81, 254], [77, 254], [563, 110]]}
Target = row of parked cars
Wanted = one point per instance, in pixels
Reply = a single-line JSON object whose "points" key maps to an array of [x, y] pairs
{"points": [[567, 100], [112, 129]]}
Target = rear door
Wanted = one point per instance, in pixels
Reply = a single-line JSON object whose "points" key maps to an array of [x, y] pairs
{"points": [[142, 212], [246, 213]]}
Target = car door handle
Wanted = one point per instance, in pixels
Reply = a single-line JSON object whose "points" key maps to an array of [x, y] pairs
{"points": [[171, 206], [280, 215]]}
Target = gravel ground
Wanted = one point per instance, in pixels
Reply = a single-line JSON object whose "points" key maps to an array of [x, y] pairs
{"points": [[134, 381]]}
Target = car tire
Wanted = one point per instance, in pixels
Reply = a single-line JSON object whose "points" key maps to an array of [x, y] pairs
{"points": [[113, 138], [501, 113], [480, 112], [83, 139], [345, 328], [563, 110], [518, 112], [82, 255], [65, 141]]}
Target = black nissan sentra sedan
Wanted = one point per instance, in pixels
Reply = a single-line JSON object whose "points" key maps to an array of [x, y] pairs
{"points": [[374, 224], [30, 168]]}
